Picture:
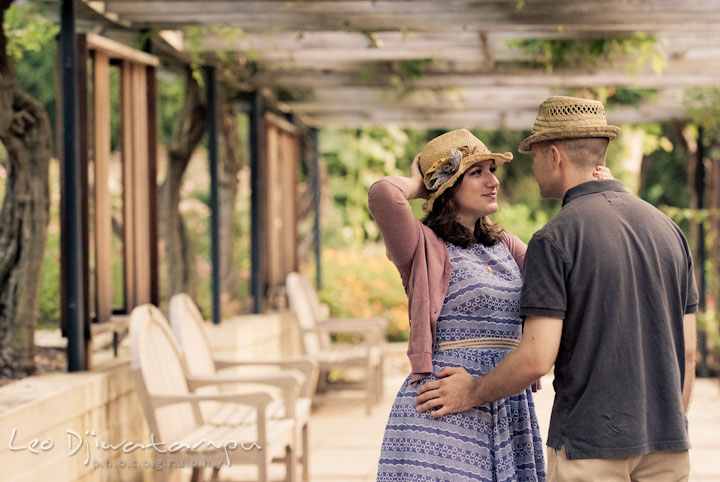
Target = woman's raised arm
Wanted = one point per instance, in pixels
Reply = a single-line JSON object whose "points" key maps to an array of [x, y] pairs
{"points": [[388, 203]]}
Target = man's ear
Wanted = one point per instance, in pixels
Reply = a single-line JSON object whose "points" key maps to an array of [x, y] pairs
{"points": [[557, 156]]}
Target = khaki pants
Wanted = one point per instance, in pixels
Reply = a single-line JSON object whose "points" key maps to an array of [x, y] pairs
{"points": [[652, 467]]}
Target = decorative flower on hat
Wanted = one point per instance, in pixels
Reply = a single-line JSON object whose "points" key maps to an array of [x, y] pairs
{"points": [[442, 175]]}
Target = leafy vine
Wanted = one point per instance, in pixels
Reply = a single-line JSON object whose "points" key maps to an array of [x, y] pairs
{"points": [[555, 53]]}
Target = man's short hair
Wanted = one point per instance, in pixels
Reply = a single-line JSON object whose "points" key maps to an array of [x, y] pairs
{"points": [[584, 152]]}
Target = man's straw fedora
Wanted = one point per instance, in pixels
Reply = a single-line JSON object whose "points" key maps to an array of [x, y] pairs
{"points": [[567, 118], [445, 158]]}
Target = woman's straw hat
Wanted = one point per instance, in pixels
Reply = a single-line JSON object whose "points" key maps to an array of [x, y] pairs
{"points": [[445, 158], [569, 117]]}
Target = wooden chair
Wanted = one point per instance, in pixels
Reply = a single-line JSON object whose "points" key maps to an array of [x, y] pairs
{"points": [[322, 313], [174, 415], [318, 343], [194, 344]]}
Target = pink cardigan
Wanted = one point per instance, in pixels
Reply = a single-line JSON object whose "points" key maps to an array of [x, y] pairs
{"points": [[422, 259]]}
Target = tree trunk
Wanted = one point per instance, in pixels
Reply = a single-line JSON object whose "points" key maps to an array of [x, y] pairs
{"points": [[179, 253], [25, 133], [231, 160]]}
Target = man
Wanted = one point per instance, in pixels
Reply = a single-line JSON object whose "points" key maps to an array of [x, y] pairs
{"points": [[609, 298]]}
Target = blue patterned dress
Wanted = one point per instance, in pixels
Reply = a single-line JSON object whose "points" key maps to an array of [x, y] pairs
{"points": [[496, 442]]}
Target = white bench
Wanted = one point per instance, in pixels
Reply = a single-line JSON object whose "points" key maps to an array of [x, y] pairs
{"points": [[316, 329], [174, 416], [186, 322]]}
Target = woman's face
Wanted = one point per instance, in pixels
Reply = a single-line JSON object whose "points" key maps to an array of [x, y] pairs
{"points": [[476, 197]]}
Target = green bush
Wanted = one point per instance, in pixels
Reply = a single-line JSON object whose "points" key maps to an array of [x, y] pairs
{"points": [[364, 283]]}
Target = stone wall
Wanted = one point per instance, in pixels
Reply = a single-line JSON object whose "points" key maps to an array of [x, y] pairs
{"points": [[46, 412]]}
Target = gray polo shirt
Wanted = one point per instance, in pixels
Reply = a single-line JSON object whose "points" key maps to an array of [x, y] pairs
{"points": [[619, 273]]}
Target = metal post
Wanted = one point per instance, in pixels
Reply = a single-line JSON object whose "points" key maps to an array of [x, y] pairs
{"points": [[256, 281], [699, 182], [316, 200], [152, 104], [214, 200], [72, 251]]}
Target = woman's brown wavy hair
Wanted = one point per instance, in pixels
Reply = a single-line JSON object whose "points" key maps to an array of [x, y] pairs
{"points": [[443, 221]]}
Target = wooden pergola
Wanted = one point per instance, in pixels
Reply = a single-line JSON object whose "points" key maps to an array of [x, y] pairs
{"points": [[342, 62], [422, 63]]}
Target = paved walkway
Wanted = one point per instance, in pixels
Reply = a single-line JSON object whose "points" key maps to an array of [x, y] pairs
{"points": [[346, 441]]}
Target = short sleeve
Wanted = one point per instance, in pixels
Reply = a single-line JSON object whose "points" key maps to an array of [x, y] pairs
{"points": [[545, 271]]}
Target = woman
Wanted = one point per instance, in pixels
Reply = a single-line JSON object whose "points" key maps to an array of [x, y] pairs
{"points": [[463, 278]]}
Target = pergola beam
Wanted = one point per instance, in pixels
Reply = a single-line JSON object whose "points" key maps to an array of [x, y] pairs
{"points": [[676, 74], [544, 15], [490, 119]]}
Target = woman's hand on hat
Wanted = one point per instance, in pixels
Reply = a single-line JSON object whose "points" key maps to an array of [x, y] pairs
{"points": [[416, 175], [602, 173]]}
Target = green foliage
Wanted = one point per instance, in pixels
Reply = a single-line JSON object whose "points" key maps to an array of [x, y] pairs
{"points": [[555, 53], [36, 73], [373, 42], [629, 97], [355, 159], [49, 287], [406, 74], [364, 283], [288, 94], [520, 219], [709, 322], [3, 158], [195, 34], [31, 43], [679, 215], [171, 94], [27, 30], [115, 111], [144, 38], [703, 107], [665, 180]]}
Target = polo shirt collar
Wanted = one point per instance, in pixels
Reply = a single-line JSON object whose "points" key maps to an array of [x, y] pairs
{"points": [[592, 187]]}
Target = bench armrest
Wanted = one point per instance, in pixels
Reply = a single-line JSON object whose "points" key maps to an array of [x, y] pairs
{"points": [[289, 381], [307, 366]]}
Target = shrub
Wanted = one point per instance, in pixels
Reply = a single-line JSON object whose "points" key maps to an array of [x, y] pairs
{"points": [[364, 283]]}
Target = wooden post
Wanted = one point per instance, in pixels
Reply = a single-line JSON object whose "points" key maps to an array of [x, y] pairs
{"points": [[129, 288], [103, 215]]}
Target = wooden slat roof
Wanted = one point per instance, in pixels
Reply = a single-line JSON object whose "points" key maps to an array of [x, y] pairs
{"points": [[341, 62], [408, 15]]}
